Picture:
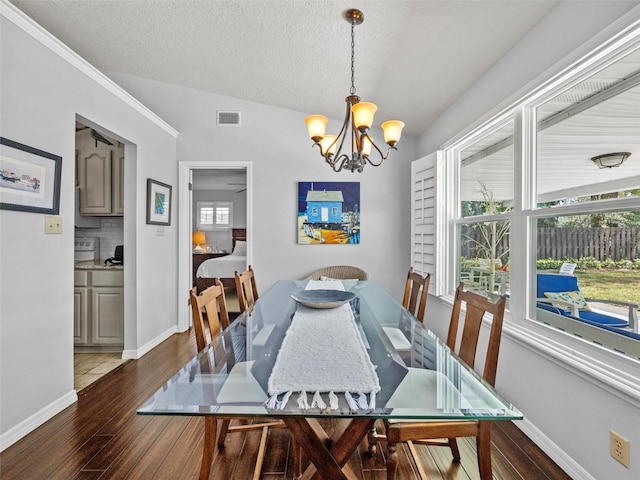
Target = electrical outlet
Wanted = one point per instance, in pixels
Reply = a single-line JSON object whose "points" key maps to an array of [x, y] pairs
{"points": [[619, 448], [53, 225]]}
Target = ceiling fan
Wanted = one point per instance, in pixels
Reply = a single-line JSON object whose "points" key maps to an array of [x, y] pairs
{"points": [[96, 136], [240, 184]]}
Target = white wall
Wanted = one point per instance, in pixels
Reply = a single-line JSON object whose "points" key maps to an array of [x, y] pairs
{"points": [[41, 94], [571, 393], [276, 141]]}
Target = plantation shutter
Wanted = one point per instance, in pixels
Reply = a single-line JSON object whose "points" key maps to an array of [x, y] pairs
{"points": [[424, 221]]}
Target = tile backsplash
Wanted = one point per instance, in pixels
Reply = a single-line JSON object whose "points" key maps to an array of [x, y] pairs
{"points": [[111, 233]]}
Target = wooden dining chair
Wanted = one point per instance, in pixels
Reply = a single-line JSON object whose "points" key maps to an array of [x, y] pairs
{"points": [[209, 309], [435, 432], [416, 290], [246, 289]]}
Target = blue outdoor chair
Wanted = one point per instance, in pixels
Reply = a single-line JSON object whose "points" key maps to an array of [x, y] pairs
{"points": [[556, 283]]}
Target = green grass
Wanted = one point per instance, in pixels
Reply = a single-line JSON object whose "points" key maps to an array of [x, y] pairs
{"points": [[621, 285]]}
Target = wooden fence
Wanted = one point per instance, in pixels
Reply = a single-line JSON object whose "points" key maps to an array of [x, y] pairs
{"points": [[560, 243], [616, 243]]}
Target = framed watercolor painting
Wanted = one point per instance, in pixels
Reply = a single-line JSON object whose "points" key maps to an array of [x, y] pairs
{"points": [[29, 178], [328, 213], [158, 203]]}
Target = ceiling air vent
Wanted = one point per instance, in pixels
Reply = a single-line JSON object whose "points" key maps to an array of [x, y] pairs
{"points": [[228, 118]]}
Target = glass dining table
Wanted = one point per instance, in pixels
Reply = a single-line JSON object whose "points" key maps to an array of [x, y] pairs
{"points": [[416, 376]]}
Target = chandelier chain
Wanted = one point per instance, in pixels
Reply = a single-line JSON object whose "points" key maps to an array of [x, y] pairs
{"points": [[353, 69]]}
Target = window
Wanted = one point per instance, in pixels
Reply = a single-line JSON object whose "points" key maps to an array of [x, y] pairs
{"points": [[547, 202], [485, 198], [214, 215]]}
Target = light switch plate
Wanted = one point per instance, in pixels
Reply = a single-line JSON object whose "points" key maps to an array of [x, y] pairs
{"points": [[53, 225]]}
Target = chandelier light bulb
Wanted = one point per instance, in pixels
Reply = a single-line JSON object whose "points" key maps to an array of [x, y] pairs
{"points": [[366, 146], [316, 125], [328, 145], [392, 131], [363, 113]]}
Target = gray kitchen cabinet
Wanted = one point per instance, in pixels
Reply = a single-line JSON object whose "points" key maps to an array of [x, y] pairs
{"points": [[99, 309], [117, 181], [107, 322], [101, 181], [80, 316]]}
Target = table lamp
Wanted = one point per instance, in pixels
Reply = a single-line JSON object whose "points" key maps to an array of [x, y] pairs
{"points": [[198, 238]]}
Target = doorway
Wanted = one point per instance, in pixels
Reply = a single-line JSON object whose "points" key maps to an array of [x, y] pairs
{"points": [[101, 319], [225, 178]]}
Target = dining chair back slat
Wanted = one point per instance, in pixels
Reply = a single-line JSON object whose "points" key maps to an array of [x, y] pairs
{"points": [[246, 289], [208, 309], [416, 291], [476, 308]]}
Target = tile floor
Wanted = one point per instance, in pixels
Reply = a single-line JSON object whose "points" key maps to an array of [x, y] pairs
{"points": [[89, 367]]}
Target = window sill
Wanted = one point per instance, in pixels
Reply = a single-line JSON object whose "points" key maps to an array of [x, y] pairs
{"points": [[615, 372]]}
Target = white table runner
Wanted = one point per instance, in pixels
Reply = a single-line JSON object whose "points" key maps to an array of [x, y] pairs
{"points": [[323, 352]]}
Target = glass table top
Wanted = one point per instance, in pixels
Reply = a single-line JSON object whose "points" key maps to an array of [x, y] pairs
{"points": [[419, 377]]}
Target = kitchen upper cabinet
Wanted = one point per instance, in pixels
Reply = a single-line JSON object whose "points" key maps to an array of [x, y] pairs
{"points": [[101, 181], [117, 181]]}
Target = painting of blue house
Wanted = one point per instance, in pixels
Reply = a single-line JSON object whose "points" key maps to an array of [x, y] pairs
{"points": [[323, 206], [328, 213]]}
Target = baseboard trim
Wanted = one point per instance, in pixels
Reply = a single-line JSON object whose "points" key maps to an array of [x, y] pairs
{"points": [[150, 345], [564, 461], [34, 421]]}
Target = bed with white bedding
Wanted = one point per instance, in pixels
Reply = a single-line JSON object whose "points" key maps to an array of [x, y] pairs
{"points": [[225, 267]]}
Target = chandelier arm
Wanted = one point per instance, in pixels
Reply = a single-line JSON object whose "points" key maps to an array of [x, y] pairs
{"points": [[345, 126], [342, 135], [383, 157], [339, 162]]}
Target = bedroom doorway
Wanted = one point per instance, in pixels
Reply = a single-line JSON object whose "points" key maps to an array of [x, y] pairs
{"points": [[215, 200]]}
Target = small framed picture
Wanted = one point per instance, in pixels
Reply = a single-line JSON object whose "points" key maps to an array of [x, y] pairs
{"points": [[29, 178], [158, 203]]}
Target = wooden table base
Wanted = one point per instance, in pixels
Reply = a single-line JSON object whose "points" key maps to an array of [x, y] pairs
{"points": [[328, 454]]}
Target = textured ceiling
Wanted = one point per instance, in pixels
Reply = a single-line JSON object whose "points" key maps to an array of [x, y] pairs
{"points": [[413, 58]]}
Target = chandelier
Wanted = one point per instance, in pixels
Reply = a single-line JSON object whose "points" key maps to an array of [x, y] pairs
{"points": [[357, 121]]}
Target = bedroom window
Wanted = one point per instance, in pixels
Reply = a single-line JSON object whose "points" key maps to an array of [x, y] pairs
{"points": [[214, 215]]}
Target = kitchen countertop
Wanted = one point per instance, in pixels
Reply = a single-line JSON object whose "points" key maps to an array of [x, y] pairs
{"points": [[97, 265]]}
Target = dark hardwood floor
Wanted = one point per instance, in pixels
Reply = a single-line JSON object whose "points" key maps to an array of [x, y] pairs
{"points": [[102, 437]]}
